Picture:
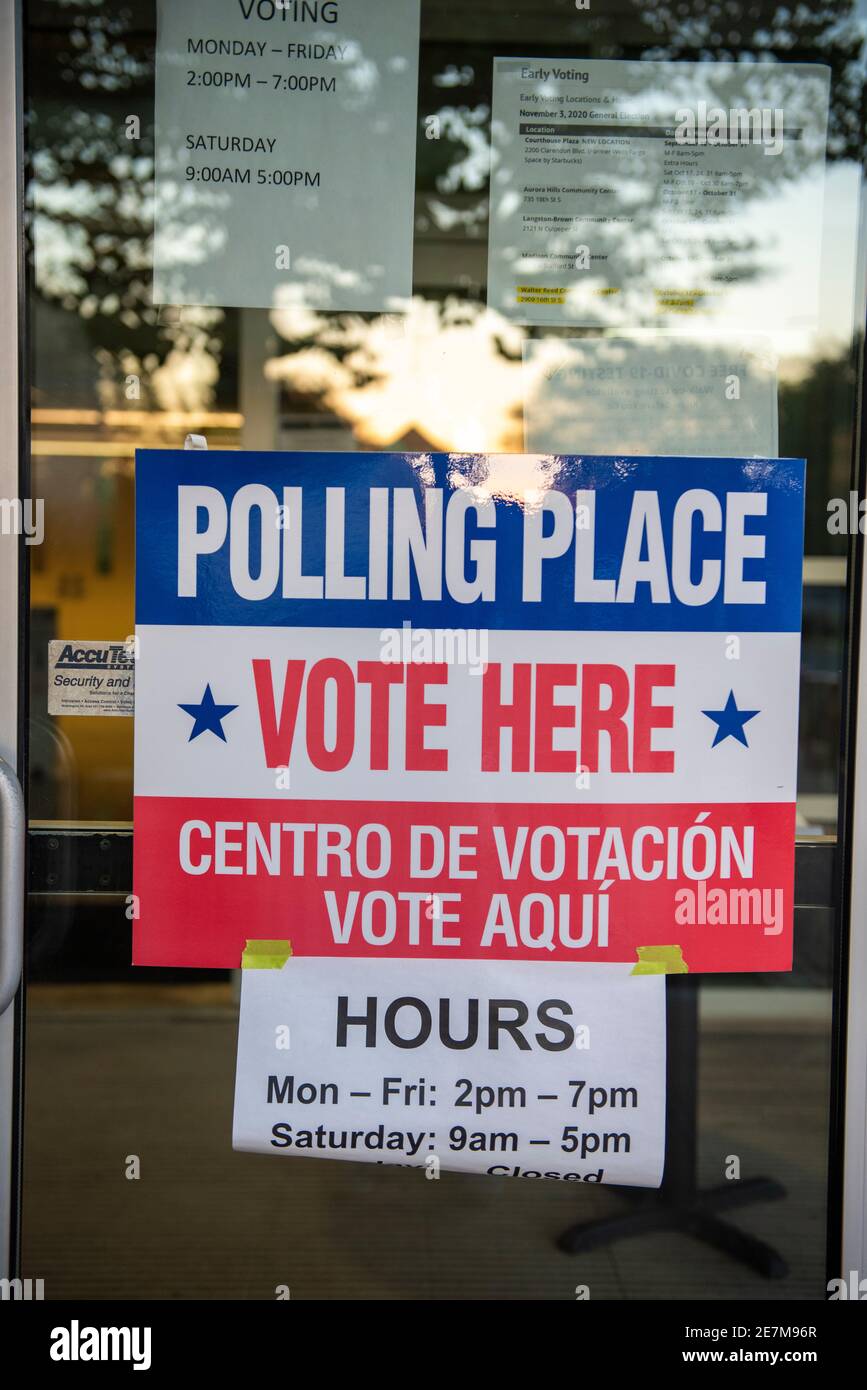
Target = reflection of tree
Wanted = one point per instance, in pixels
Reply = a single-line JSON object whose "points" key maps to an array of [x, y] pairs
{"points": [[91, 200], [767, 31], [451, 209], [91, 188], [447, 375]]}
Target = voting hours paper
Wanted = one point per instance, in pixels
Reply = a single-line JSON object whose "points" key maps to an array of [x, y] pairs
{"points": [[512, 1069], [285, 152]]}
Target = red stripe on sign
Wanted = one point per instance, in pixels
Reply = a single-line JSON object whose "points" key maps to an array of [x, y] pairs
{"points": [[440, 881]]}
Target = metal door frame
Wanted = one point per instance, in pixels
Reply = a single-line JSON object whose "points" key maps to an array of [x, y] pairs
{"points": [[14, 476], [848, 1243]]}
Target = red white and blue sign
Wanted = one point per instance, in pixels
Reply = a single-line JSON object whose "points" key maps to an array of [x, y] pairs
{"points": [[466, 706]]}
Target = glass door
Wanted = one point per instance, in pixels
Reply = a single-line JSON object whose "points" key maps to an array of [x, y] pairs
{"points": [[130, 1188]]}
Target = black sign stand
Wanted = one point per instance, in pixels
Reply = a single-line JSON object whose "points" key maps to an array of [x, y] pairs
{"points": [[679, 1204]]}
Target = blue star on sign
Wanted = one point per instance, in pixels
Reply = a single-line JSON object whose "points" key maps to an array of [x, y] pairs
{"points": [[730, 721], [207, 715]]}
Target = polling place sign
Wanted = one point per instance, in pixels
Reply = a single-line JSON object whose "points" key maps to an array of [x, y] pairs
{"points": [[499, 708]]}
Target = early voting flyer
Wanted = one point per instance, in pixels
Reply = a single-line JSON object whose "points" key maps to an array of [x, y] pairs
{"points": [[467, 708], [657, 193]]}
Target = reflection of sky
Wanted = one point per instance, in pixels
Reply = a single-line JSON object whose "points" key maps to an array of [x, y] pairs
{"points": [[769, 218], [793, 261], [840, 252]]}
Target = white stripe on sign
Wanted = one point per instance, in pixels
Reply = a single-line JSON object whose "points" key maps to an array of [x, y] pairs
{"points": [[360, 714]]}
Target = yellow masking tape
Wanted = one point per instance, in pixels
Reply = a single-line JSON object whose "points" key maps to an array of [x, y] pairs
{"points": [[660, 960], [266, 955]]}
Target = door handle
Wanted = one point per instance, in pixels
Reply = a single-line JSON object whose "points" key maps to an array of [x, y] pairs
{"points": [[12, 835]]}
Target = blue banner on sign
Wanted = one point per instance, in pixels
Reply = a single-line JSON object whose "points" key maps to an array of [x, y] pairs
{"points": [[486, 541]]}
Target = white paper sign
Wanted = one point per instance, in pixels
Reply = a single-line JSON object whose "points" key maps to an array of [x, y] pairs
{"points": [[528, 1070], [640, 193], [285, 152], [664, 395], [91, 677]]}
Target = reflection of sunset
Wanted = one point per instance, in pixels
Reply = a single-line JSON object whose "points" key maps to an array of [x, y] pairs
{"points": [[523, 478], [438, 373]]}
